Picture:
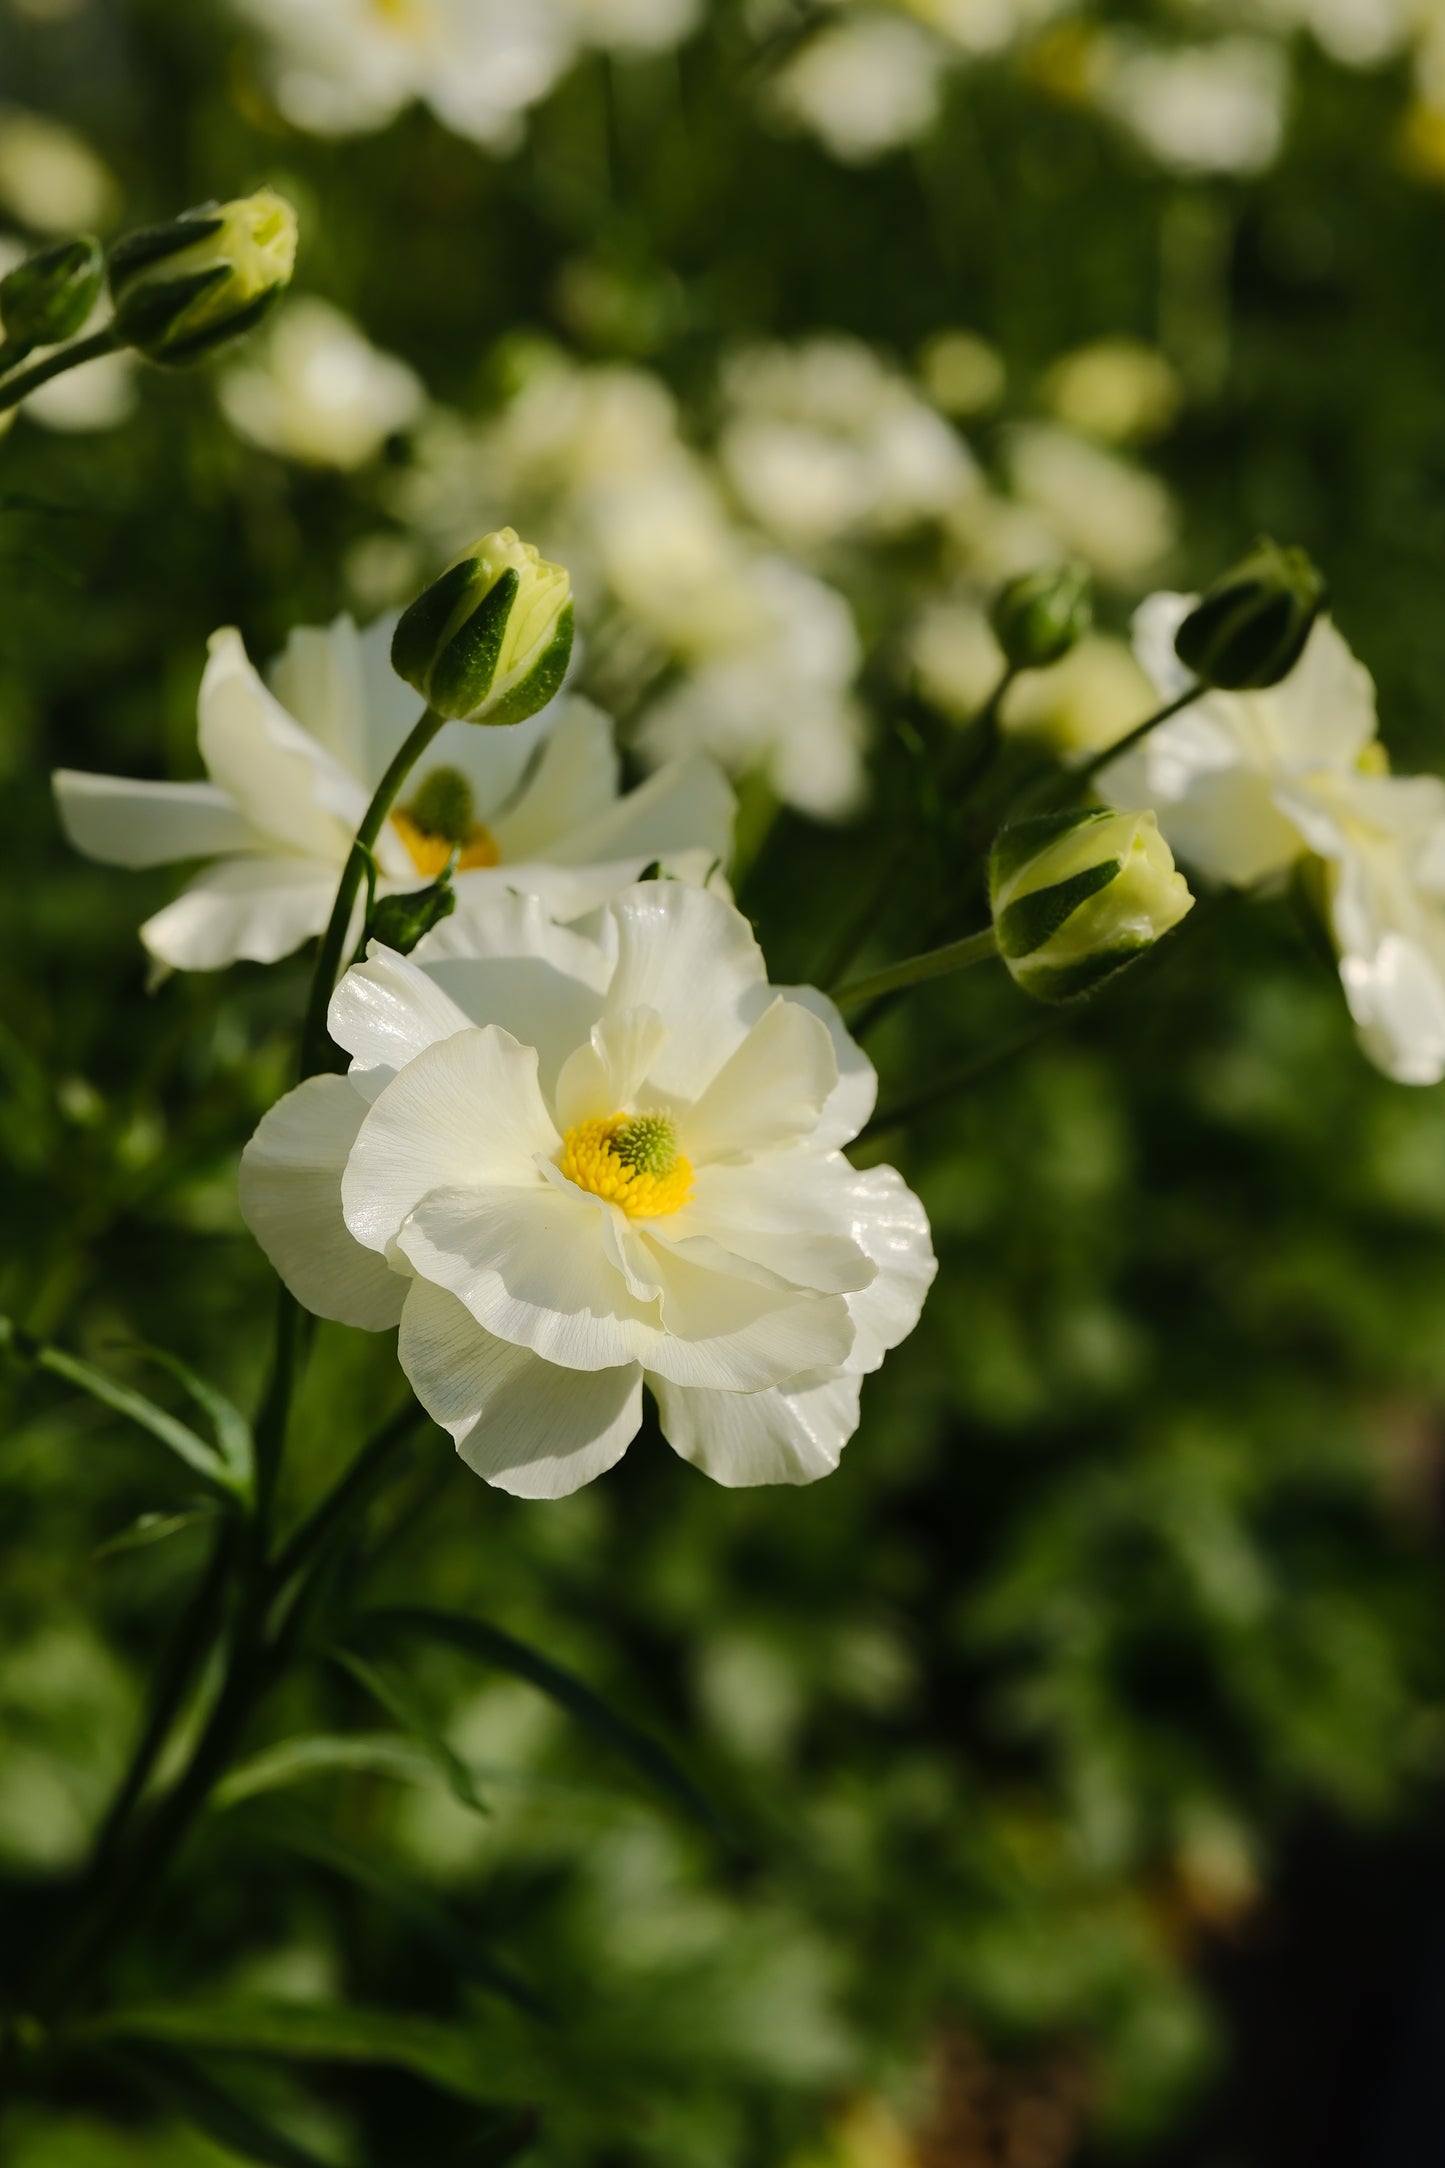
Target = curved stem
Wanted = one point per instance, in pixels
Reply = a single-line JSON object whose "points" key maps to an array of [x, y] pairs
{"points": [[333, 941], [367, 1471], [975, 948], [18, 387], [1079, 778]]}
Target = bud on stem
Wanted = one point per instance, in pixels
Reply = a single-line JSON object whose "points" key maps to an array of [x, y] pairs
{"points": [[1250, 628], [183, 289], [47, 298], [489, 641], [1078, 895], [1039, 616]]}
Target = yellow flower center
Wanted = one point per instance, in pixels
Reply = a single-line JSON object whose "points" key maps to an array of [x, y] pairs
{"points": [[630, 1159], [411, 18], [441, 819]]}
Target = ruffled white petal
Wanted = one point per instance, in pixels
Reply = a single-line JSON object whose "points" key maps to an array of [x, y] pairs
{"points": [[1155, 624], [387, 1010], [1323, 714], [891, 1226], [686, 806], [290, 1186], [606, 1074], [320, 681], [252, 910], [791, 1213], [464, 1115], [282, 779], [505, 962], [532, 1267], [791, 1433], [854, 1096], [520, 1423], [770, 1091], [126, 823], [694, 959]]}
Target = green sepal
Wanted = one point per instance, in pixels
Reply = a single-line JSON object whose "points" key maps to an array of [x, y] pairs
{"points": [[1056, 983], [1034, 920], [136, 252], [1017, 844], [542, 682], [466, 662], [400, 922], [424, 624], [46, 299], [197, 344]]}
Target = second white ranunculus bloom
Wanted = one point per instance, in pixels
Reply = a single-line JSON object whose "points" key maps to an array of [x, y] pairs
{"points": [[536, 805], [1247, 786], [570, 1164]]}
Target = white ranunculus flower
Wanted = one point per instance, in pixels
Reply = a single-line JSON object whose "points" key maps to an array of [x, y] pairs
{"points": [[1224, 776], [315, 389], [1212, 108], [1248, 785], [1115, 516], [571, 1163], [534, 806], [863, 85]]}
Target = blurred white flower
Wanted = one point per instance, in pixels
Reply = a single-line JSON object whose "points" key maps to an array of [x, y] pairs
{"points": [[962, 374], [1359, 33], [315, 389], [50, 178], [570, 1166], [1248, 785], [1119, 519], [1216, 108], [863, 86], [954, 656], [773, 695], [1117, 389], [823, 440], [342, 66], [1087, 701], [636, 25], [534, 806]]}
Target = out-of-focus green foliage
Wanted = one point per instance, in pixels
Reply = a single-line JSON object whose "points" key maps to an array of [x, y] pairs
{"points": [[1134, 1562]]}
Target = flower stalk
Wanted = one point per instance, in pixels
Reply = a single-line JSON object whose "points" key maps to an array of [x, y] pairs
{"points": [[936, 963]]}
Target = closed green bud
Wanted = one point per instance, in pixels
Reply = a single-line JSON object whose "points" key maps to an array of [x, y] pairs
{"points": [[48, 297], [490, 640], [1039, 616], [1076, 896], [184, 289], [402, 921], [1249, 629]]}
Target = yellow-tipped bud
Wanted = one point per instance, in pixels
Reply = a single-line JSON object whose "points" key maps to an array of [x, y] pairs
{"points": [[183, 289], [490, 640], [1076, 896]]}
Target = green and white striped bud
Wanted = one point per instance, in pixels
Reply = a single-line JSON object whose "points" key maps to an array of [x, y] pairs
{"points": [[1249, 629], [1076, 896], [47, 299], [1039, 616], [183, 289], [489, 642]]}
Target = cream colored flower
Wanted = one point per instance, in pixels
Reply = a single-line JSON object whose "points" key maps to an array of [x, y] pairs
{"points": [[863, 85], [291, 768], [569, 1166], [316, 390]]}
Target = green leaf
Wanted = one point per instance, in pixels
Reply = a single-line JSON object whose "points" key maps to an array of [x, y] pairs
{"points": [[403, 1707], [486, 1644], [233, 1432], [367, 1870], [149, 1528], [321, 1754], [200, 1458], [187, 2090], [451, 2057]]}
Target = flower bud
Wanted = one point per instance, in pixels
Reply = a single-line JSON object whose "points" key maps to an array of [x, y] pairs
{"points": [[1039, 616], [181, 290], [1249, 629], [490, 640], [400, 922], [1078, 895], [48, 297]]}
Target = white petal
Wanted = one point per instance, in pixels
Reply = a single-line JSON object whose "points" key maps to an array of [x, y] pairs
{"points": [[522, 1424], [891, 1225], [855, 1094], [389, 706], [147, 824], [694, 959], [573, 783], [386, 1011], [789, 1434], [1156, 622], [291, 1200], [607, 1073], [769, 1092], [533, 1268], [505, 962], [318, 679], [252, 909], [791, 1212], [688, 805], [1324, 711], [464, 1114], [284, 782]]}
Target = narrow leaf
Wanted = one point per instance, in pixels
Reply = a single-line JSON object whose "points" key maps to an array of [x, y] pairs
{"points": [[151, 1528], [501, 1651], [233, 1432], [187, 2090], [405, 1710], [200, 1458], [366, 1870], [451, 2057], [320, 1754]]}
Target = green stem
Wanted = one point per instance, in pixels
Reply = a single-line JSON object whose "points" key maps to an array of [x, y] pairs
{"points": [[25, 381], [976, 754], [365, 1475], [974, 948], [1078, 779], [333, 941]]}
